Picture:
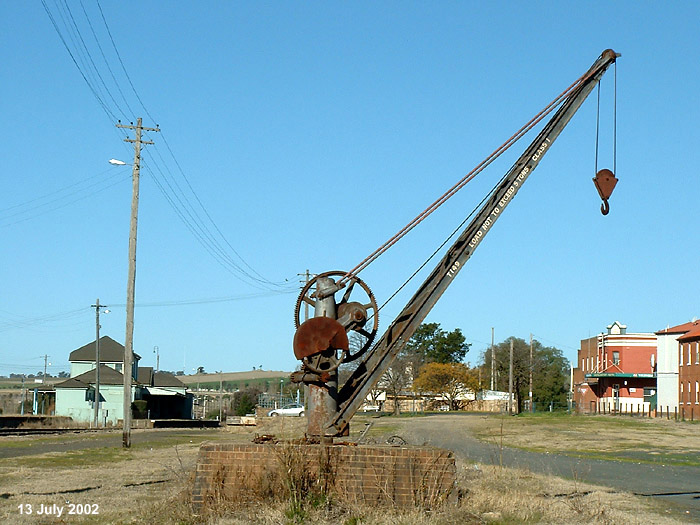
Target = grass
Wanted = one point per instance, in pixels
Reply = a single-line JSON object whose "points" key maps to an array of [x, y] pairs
{"points": [[619, 438], [150, 482]]}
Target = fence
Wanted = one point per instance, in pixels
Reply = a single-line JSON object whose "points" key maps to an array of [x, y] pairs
{"points": [[645, 410]]}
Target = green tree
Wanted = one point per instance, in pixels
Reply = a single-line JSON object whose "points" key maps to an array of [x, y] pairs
{"points": [[549, 371], [432, 344], [244, 401]]}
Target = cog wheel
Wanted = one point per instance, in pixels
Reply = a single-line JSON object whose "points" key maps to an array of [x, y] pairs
{"points": [[360, 317]]}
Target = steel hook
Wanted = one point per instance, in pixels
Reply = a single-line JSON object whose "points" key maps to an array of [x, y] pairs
{"points": [[605, 207]]}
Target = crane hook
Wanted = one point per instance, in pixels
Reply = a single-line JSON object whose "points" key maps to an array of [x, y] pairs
{"points": [[605, 182]]}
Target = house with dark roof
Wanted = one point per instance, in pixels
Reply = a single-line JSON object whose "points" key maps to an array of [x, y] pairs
{"points": [[111, 355], [165, 395]]}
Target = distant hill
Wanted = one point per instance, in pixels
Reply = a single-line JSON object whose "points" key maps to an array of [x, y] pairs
{"points": [[251, 375]]}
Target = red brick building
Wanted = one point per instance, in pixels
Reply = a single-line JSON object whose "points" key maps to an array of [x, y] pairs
{"points": [[689, 371], [616, 372]]}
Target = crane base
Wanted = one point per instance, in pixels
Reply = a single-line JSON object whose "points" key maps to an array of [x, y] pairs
{"points": [[396, 476]]}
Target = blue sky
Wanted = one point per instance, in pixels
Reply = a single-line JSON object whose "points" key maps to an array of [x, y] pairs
{"points": [[310, 132]]}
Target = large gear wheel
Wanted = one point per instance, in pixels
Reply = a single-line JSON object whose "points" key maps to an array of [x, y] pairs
{"points": [[355, 315]]}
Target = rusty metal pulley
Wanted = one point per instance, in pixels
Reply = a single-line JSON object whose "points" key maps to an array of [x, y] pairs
{"points": [[605, 182], [358, 318]]}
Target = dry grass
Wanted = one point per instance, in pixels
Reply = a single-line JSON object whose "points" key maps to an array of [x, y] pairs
{"points": [[151, 485], [577, 435]]}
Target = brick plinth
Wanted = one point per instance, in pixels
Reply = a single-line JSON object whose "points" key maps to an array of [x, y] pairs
{"points": [[399, 476]]}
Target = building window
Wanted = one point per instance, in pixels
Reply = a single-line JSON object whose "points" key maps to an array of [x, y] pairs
{"points": [[697, 352], [697, 392], [690, 359], [681, 396], [616, 358], [689, 392]]}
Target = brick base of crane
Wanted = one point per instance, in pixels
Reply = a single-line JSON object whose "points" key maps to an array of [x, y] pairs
{"points": [[398, 476]]}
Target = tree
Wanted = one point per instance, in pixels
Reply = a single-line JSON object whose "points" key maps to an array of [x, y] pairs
{"points": [[432, 344], [549, 371], [450, 380], [244, 401], [396, 379]]}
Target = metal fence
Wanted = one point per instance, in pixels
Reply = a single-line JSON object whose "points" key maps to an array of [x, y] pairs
{"points": [[278, 401]]}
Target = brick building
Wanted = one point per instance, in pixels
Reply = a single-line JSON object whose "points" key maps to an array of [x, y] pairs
{"points": [[616, 371], [689, 372]]}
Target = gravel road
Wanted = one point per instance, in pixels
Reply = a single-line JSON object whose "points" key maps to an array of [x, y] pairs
{"points": [[678, 485]]}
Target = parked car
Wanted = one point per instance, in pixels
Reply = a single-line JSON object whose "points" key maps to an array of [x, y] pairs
{"points": [[288, 410], [370, 408]]}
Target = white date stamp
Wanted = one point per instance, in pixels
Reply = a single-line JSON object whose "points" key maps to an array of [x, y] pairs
{"points": [[77, 509]]}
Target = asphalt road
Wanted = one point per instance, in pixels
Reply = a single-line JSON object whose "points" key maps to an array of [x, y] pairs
{"points": [[678, 485]]}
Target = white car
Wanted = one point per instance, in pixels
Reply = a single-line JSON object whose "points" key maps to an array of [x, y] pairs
{"points": [[288, 410]]}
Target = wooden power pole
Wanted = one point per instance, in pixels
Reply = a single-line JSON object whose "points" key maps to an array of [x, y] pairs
{"points": [[131, 278]]}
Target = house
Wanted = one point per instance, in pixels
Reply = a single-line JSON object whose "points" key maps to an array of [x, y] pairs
{"points": [[75, 397], [164, 394], [111, 355], [678, 370], [689, 372], [616, 371]]}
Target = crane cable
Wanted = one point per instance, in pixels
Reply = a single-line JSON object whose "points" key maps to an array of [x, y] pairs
{"points": [[462, 182], [597, 123]]}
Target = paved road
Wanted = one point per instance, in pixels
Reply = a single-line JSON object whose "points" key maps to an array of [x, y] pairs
{"points": [[678, 485]]}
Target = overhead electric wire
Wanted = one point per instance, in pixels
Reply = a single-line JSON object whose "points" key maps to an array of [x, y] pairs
{"points": [[211, 220], [196, 222], [101, 102], [104, 58], [116, 51], [27, 322], [61, 200]]}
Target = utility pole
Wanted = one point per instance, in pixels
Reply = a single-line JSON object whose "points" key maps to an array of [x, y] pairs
{"points": [[131, 277], [493, 364], [510, 380], [157, 352], [532, 408], [24, 396], [97, 307], [221, 393], [46, 360], [307, 277]]}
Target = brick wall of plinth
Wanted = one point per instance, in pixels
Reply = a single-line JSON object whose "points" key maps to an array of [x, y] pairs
{"points": [[399, 476]]}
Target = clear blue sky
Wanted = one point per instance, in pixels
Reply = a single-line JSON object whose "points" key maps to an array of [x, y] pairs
{"points": [[310, 133]]}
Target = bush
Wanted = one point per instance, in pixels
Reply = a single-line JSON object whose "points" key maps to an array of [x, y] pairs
{"points": [[139, 409]]}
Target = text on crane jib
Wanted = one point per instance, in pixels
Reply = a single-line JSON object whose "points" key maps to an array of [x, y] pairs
{"points": [[509, 194]]}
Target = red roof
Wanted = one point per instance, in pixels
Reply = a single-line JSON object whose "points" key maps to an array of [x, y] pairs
{"points": [[693, 334], [680, 329]]}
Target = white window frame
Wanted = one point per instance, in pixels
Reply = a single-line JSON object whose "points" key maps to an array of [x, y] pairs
{"points": [[681, 396]]}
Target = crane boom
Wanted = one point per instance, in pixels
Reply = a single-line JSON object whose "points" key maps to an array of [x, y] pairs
{"points": [[378, 360]]}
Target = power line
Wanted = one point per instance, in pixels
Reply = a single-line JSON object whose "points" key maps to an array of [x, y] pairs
{"points": [[59, 201]]}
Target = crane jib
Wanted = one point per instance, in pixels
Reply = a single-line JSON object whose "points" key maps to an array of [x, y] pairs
{"points": [[377, 361]]}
